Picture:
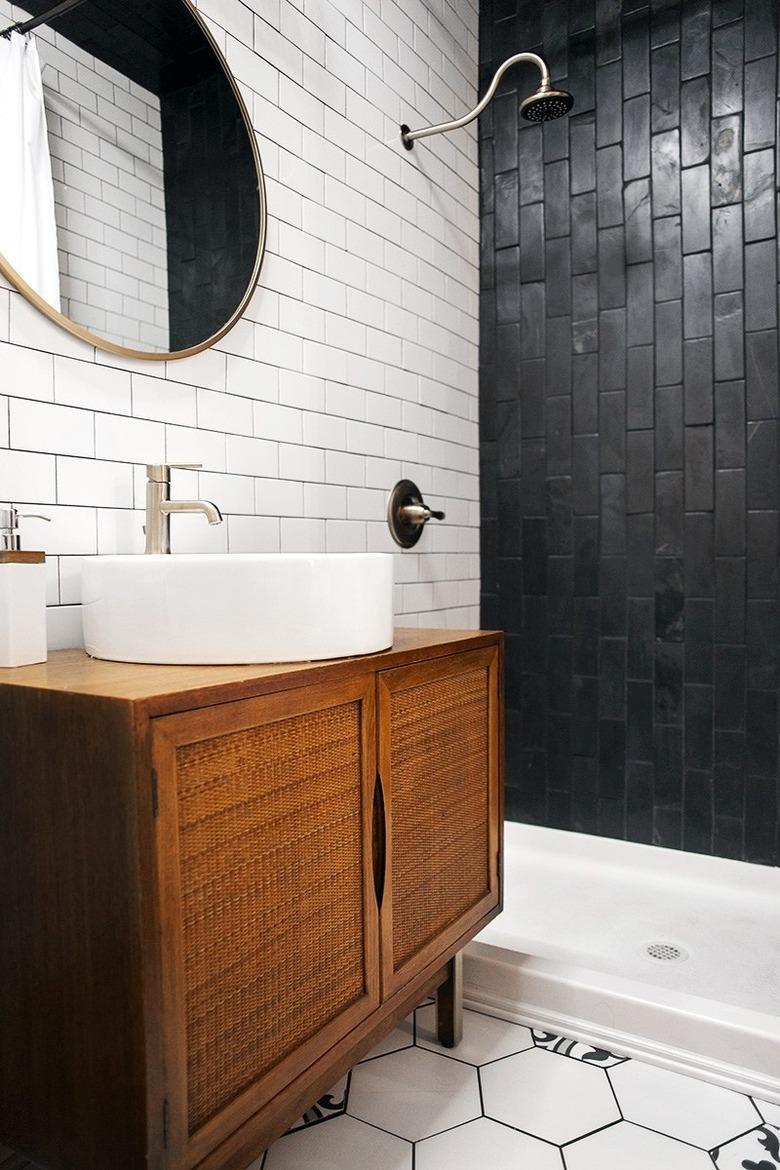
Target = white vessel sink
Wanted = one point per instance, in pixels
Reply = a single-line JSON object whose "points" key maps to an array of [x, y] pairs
{"points": [[235, 608]]}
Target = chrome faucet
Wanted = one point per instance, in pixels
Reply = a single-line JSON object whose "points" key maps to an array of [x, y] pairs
{"points": [[159, 505]]}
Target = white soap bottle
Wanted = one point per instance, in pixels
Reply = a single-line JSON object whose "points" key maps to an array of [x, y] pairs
{"points": [[22, 596]]}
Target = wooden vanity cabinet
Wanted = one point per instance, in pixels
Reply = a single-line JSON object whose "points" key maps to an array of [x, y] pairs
{"points": [[222, 885]]}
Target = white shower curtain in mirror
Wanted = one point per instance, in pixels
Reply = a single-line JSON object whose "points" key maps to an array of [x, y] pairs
{"points": [[28, 235]]}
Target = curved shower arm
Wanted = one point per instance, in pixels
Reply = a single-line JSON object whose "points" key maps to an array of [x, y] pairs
{"points": [[408, 136]]}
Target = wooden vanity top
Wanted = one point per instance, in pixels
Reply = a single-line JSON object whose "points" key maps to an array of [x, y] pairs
{"points": [[163, 688]]}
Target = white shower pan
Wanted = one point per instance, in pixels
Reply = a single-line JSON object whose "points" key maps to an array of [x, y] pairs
{"points": [[570, 953]]}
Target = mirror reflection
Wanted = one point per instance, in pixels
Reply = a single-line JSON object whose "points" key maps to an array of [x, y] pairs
{"points": [[132, 199]]}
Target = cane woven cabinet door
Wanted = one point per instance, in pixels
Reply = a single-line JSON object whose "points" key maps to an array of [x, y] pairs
{"points": [[269, 919], [439, 760]]}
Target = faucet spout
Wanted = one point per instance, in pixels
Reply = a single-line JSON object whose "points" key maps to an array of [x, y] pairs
{"points": [[205, 507]]}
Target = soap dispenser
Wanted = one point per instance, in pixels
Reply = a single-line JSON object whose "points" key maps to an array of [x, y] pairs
{"points": [[22, 595]]}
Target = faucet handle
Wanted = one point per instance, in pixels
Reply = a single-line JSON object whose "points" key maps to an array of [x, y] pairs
{"points": [[160, 472]]}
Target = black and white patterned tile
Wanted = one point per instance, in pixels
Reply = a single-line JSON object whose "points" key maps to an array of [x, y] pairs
{"points": [[331, 1104], [757, 1150], [576, 1049]]}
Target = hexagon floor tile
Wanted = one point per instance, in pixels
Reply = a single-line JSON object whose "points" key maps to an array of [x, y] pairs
{"points": [[484, 1142], [548, 1095], [628, 1147], [401, 1036], [510, 1097], [484, 1037], [413, 1093], [341, 1144], [680, 1107]]}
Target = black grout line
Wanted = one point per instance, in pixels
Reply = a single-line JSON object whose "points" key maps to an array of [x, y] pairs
{"points": [[497, 1059], [674, 1138], [614, 1094], [380, 1055], [381, 1128], [599, 1129], [509, 1056], [524, 1132], [758, 1111], [448, 1055], [449, 1129]]}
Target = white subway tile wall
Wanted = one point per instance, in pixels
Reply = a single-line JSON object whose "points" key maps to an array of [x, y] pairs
{"points": [[356, 361]]}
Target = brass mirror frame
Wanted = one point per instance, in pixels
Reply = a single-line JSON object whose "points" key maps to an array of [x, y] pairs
{"points": [[91, 338]]}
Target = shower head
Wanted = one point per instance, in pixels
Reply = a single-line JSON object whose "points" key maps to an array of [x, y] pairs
{"points": [[546, 104]]}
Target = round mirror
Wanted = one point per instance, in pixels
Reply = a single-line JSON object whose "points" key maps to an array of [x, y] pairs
{"points": [[132, 205]]}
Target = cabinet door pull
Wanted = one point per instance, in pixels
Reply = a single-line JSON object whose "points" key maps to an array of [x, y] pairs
{"points": [[379, 841]]}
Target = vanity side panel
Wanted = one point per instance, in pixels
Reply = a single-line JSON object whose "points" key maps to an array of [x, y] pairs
{"points": [[72, 1083]]}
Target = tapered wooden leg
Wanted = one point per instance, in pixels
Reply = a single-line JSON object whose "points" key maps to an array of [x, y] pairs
{"points": [[449, 1005]]}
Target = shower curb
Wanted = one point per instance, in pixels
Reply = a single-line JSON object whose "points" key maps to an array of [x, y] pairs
{"points": [[622, 1017]]}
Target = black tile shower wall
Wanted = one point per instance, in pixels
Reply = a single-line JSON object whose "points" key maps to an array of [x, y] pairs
{"points": [[629, 419]]}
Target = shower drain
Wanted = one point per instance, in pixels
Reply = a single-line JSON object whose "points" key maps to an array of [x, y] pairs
{"points": [[664, 952]]}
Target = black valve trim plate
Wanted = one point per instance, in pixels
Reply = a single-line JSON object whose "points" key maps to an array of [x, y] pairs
{"points": [[405, 532]]}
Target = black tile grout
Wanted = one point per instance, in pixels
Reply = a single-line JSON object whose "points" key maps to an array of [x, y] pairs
{"points": [[591, 1133], [524, 1132], [682, 1141], [614, 1094], [373, 1125], [755, 1105]]}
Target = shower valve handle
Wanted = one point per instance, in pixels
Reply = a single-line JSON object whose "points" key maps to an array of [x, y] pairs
{"points": [[419, 514], [407, 513]]}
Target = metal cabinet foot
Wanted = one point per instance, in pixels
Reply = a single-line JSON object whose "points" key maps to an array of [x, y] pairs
{"points": [[449, 1005]]}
